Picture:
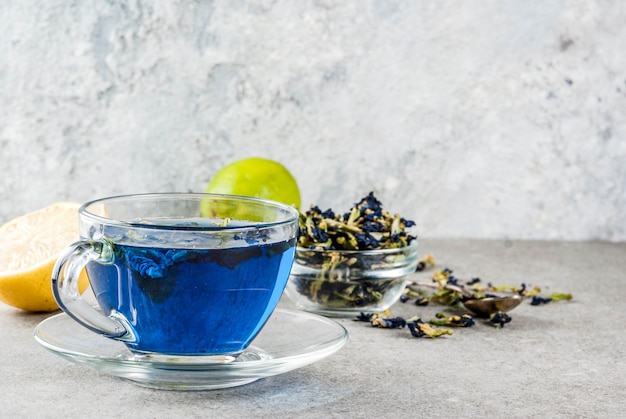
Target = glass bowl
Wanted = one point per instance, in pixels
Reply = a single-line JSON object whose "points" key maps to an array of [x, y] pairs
{"points": [[345, 283]]}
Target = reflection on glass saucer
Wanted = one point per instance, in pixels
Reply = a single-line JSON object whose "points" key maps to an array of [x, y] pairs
{"points": [[290, 340]]}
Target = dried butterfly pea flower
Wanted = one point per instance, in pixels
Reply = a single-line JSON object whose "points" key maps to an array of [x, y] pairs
{"points": [[389, 323], [425, 263], [446, 297], [366, 226], [422, 302], [369, 317], [537, 300], [364, 317], [557, 296], [472, 281], [499, 319], [443, 319], [441, 278], [560, 296], [413, 293], [420, 329]]}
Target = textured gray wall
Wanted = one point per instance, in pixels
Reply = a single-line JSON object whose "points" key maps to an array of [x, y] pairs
{"points": [[487, 119]]}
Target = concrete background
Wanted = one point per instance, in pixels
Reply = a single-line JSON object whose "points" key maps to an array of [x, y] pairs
{"points": [[485, 119]]}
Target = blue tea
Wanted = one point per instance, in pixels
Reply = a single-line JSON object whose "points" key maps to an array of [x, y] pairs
{"points": [[231, 291]]}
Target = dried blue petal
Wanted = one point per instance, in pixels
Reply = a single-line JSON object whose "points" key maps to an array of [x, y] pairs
{"points": [[369, 202], [328, 214], [416, 330], [453, 280], [364, 317], [443, 319], [366, 241], [408, 223], [391, 323], [314, 210], [427, 262], [148, 263], [319, 235], [420, 329], [372, 226], [467, 320], [499, 319], [537, 300], [422, 301]]}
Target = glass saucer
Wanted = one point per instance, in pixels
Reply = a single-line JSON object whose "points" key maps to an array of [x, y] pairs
{"points": [[290, 339]]}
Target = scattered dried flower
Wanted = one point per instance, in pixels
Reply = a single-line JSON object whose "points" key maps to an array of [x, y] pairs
{"points": [[499, 319], [420, 329], [464, 320], [557, 296], [389, 323], [427, 262]]}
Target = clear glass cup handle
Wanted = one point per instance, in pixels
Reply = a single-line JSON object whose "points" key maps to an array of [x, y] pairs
{"points": [[65, 288]]}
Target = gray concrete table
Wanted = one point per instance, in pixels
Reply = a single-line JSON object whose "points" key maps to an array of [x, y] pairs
{"points": [[564, 359]]}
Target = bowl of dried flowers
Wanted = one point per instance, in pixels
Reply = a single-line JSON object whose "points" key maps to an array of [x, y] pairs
{"points": [[351, 263]]}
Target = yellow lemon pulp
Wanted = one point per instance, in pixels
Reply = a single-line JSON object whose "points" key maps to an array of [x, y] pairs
{"points": [[29, 247], [259, 178]]}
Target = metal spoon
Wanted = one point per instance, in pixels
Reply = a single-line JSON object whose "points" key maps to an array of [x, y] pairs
{"points": [[484, 307]]}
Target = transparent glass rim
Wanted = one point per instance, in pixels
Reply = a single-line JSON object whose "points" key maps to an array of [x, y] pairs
{"points": [[291, 213], [411, 247]]}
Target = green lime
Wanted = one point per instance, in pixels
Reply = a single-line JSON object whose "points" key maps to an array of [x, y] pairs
{"points": [[259, 178]]}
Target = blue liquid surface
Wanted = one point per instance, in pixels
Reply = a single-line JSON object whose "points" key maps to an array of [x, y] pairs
{"points": [[193, 302]]}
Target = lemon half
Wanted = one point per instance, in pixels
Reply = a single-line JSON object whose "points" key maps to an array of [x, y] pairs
{"points": [[29, 248]]}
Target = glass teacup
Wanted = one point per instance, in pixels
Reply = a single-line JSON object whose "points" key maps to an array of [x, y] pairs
{"points": [[179, 274]]}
